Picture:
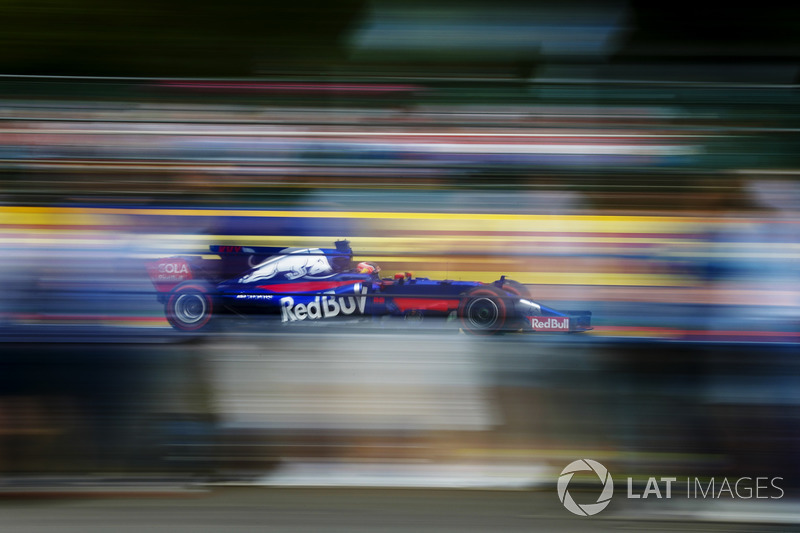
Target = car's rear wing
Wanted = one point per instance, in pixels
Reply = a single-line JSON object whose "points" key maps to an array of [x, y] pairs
{"points": [[168, 272], [226, 250]]}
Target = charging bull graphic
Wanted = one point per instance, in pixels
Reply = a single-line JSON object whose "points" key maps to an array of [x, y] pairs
{"points": [[306, 263]]}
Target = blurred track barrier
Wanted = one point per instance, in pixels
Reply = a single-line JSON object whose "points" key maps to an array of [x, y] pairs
{"points": [[531, 248], [343, 382], [595, 249], [242, 403]]}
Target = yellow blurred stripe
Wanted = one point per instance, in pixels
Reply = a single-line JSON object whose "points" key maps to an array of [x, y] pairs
{"points": [[563, 278], [543, 223], [404, 248], [402, 243]]}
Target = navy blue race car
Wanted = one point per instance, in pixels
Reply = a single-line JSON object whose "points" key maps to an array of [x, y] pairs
{"points": [[308, 284]]}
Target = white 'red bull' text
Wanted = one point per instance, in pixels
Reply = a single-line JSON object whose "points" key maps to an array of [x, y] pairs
{"points": [[322, 307], [550, 323]]}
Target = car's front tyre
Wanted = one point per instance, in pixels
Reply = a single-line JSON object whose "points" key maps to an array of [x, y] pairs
{"points": [[484, 310], [516, 288], [190, 306]]}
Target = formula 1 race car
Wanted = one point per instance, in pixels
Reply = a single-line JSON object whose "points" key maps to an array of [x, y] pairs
{"points": [[309, 284]]}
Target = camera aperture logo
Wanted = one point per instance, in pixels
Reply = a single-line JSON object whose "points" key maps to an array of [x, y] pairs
{"points": [[584, 465]]}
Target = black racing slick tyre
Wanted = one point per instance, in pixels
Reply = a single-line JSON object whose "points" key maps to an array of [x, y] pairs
{"points": [[484, 310], [516, 288], [190, 307]]}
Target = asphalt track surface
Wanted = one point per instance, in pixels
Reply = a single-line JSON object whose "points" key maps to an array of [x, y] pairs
{"points": [[346, 510]]}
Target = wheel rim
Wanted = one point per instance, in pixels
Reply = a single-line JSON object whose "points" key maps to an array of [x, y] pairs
{"points": [[482, 313], [190, 308]]}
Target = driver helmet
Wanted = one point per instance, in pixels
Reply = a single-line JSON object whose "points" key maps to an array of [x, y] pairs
{"points": [[367, 267]]}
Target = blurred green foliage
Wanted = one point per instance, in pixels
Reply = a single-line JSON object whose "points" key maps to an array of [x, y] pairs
{"points": [[175, 38]]}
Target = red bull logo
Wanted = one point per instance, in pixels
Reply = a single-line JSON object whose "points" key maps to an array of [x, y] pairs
{"points": [[322, 307], [550, 323]]}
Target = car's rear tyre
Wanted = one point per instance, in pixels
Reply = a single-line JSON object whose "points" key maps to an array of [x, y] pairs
{"points": [[190, 307], [484, 310]]}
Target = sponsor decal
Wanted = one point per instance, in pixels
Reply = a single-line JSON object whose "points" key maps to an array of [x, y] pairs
{"points": [[324, 306], [229, 249], [550, 323], [173, 268], [176, 270]]}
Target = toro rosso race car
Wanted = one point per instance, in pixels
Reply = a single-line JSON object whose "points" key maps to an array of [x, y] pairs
{"points": [[310, 284]]}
